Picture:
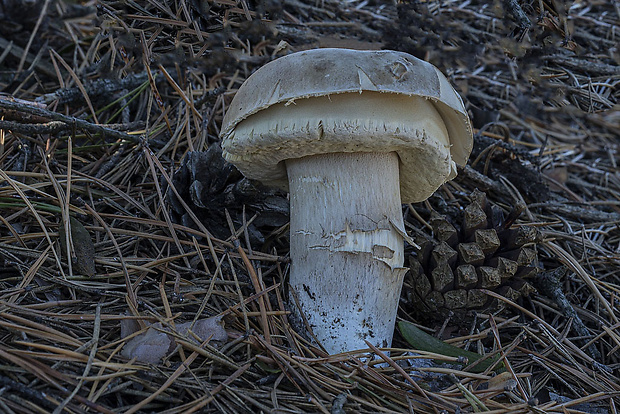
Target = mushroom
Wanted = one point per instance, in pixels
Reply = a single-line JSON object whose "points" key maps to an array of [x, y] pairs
{"points": [[351, 134]]}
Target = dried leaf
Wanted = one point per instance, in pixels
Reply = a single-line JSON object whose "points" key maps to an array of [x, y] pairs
{"points": [[129, 326], [206, 328], [558, 177], [151, 346], [501, 382]]}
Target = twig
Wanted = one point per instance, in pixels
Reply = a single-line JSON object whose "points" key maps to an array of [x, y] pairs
{"points": [[548, 283], [27, 391], [578, 213], [585, 65], [517, 12], [55, 127], [94, 89], [52, 127], [9, 105]]}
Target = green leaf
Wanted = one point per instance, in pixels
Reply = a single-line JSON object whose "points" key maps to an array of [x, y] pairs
{"points": [[422, 341], [83, 247], [268, 368]]}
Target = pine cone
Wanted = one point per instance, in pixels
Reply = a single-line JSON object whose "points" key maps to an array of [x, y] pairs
{"points": [[210, 186], [450, 269]]}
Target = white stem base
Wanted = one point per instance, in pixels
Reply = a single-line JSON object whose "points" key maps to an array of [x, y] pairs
{"points": [[346, 256]]}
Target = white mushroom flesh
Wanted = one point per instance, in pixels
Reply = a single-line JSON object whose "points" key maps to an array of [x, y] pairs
{"points": [[346, 254]]}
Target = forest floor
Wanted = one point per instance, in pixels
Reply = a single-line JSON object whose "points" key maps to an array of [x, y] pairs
{"points": [[119, 212]]}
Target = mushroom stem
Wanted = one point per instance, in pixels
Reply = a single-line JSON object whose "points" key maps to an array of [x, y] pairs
{"points": [[346, 256]]}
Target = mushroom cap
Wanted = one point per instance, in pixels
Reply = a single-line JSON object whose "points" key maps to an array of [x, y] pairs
{"points": [[339, 100]]}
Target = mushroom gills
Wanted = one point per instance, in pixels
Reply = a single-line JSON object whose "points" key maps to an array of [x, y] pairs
{"points": [[411, 126]]}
